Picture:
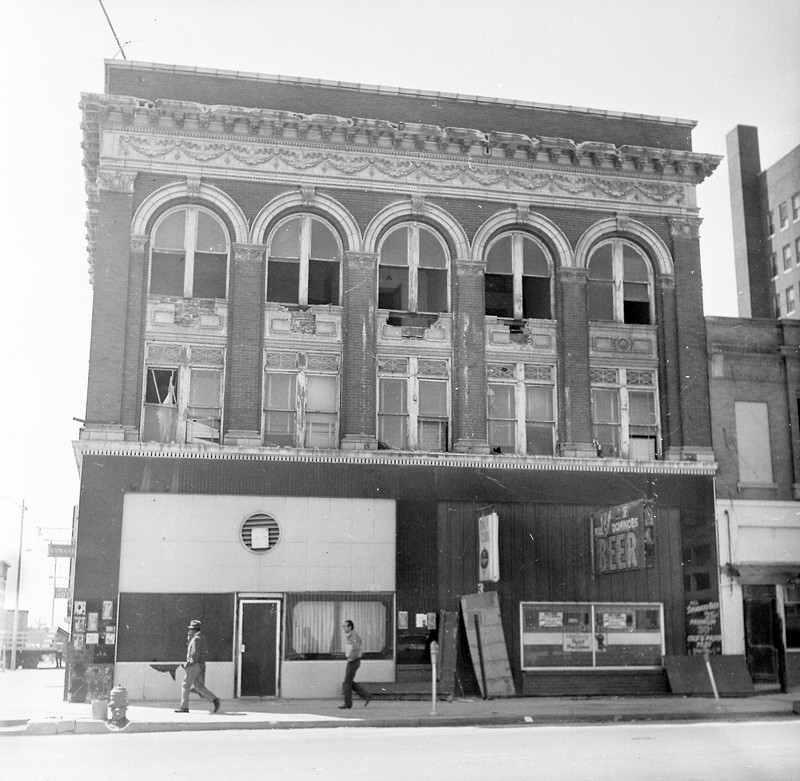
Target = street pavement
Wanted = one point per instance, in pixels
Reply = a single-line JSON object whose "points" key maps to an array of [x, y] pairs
{"points": [[31, 703]]}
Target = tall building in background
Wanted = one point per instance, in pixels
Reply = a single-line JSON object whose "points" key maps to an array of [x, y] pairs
{"points": [[766, 228], [339, 328]]}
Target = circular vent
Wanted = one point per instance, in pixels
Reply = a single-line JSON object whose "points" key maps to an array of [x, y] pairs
{"points": [[260, 533]]}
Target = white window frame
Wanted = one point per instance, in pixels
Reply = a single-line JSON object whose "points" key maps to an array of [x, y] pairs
{"points": [[795, 207], [190, 247], [302, 366], [783, 215], [411, 370], [521, 376], [786, 252], [618, 282], [413, 261], [753, 446], [790, 300], [187, 359], [306, 220], [626, 381]]}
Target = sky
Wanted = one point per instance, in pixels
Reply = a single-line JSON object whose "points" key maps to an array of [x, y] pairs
{"points": [[718, 62]]}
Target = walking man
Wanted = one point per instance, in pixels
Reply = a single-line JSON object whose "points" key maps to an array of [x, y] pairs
{"points": [[195, 667], [352, 652]]}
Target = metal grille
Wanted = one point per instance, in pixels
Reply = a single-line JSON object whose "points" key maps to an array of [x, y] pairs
{"points": [[500, 370], [640, 377], [427, 367], [164, 353], [322, 362], [280, 360], [607, 376], [260, 533], [393, 365], [535, 371]]}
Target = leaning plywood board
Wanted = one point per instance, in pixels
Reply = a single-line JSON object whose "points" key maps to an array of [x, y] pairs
{"points": [[487, 644]]}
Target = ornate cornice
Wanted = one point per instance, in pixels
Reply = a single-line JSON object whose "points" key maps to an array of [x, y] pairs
{"points": [[138, 244], [114, 180], [685, 227], [468, 267], [247, 253]]}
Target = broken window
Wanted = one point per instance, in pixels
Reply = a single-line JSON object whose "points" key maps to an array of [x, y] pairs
{"points": [[189, 255], [182, 404], [517, 279], [304, 262], [413, 275], [620, 284]]}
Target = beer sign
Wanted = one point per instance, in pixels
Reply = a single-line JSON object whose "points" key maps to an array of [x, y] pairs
{"points": [[623, 538]]}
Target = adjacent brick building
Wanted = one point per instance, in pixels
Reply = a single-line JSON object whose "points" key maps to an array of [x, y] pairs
{"points": [[335, 325]]}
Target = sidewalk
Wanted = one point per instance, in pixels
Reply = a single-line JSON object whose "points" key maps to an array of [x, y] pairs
{"points": [[31, 703]]}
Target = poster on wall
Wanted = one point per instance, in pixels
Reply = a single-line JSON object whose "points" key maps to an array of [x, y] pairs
{"points": [[488, 549], [623, 538], [703, 629]]}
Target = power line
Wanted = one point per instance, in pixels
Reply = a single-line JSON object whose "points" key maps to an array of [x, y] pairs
{"points": [[121, 50]]}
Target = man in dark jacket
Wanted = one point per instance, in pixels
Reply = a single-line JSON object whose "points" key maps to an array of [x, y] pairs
{"points": [[195, 678]]}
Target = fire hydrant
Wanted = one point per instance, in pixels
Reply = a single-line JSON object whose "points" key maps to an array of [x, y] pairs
{"points": [[118, 707]]}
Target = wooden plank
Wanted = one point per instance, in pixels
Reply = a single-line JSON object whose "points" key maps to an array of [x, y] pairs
{"points": [[487, 645]]}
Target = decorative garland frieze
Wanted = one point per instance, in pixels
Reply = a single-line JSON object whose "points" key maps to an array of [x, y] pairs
{"points": [[392, 168], [112, 180]]}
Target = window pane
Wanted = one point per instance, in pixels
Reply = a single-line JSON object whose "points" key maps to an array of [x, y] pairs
{"points": [[204, 388], [633, 264], [499, 295], [162, 386], [393, 431], [320, 430], [210, 276], [498, 259], [433, 398], [210, 235], [431, 290], [601, 300], [283, 281], [432, 435], [394, 250], [167, 273], [279, 429], [501, 402], [536, 297], [161, 406], [643, 408], [600, 264], [539, 402], [171, 232], [323, 242], [608, 439], [323, 282], [539, 438], [392, 396], [321, 394], [501, 436], [431, 252], [280, 391], [534, 261], [605, 405], [393, 288], [286, 240]]}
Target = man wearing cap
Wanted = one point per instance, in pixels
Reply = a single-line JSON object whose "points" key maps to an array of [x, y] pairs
{"points": [[195, 678]]}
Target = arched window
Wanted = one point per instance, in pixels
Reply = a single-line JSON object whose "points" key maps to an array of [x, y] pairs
{"points": [[517, 279], [189, 254], [620, 284], [304, 262], [413, 272]]}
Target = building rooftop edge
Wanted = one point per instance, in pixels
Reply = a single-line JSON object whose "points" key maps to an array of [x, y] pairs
{"points": [[384, 90]]}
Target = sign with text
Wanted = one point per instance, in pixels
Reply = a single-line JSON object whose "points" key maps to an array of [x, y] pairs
{"points": [[623, 538], [488, 548], [703, 628], [55, 550]]}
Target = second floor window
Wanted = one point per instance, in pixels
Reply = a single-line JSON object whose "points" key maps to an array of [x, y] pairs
{"points": [[304, 262], [182, 400], [521, 417], [787, 257], [413, 275], [625, 413], [517, 278], [413, 404], [189, 255], [620, 284], [301, 400]]}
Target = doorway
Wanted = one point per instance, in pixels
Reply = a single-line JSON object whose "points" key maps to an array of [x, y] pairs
{"points": [[762, 630], [259, 646]]}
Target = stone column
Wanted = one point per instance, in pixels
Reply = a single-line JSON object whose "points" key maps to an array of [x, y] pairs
{"points": [[691, 341], [112, 214], [243, 380], [359, 339], [469, 357], [574, 383]]}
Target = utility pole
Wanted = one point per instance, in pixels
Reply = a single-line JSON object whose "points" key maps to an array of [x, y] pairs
{"points": [[15, 630]]}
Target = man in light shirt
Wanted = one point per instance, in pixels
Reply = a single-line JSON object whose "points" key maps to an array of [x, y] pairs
{"points": [[352, 652]]}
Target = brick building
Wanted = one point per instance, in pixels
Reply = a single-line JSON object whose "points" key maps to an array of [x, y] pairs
{"points": [[754, 380], [334, 326], [766, 227]]}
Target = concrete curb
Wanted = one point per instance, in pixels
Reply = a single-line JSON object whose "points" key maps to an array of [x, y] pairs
{"points": [[97, 727]]}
